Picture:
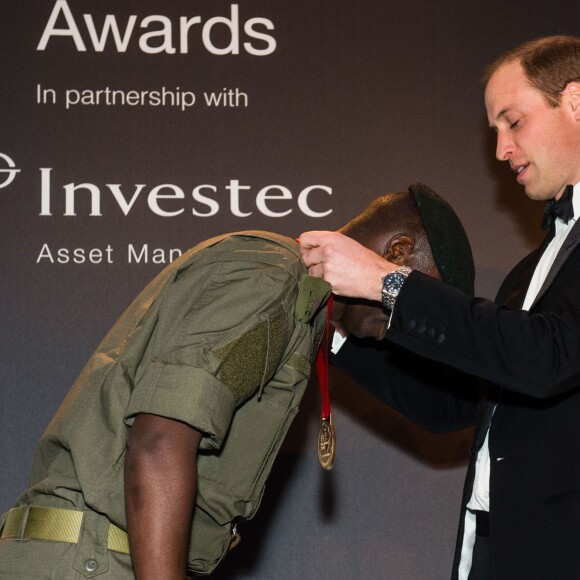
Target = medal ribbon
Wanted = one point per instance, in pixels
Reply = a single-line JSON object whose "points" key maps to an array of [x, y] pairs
{"points": [[326, 436], [322, 364]]}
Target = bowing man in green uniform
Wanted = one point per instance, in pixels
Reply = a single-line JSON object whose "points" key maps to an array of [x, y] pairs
{"points": [[166, 439]]}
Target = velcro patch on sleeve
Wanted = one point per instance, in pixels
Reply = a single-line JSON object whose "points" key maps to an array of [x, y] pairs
{"points": [[250, 360]]}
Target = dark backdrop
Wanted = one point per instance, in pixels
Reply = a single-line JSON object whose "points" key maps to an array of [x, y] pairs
{"points": [[322, 106]]}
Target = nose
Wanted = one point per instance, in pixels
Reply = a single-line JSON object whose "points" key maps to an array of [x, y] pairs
{"points": [[505, 146]]}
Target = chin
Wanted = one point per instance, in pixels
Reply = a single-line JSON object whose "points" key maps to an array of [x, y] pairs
{"points": [[539, 193], [362, 333], [377, 332]]}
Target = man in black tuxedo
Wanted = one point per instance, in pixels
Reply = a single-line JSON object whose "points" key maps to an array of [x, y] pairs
{"points": [[518, 356]]}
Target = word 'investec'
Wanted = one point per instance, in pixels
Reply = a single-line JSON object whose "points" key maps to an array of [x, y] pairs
{"points": [[166, 199], [159, 34]]}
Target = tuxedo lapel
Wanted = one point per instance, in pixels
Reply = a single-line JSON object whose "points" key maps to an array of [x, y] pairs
{"points": [[571, 242], [515, 296], [515, 300]]}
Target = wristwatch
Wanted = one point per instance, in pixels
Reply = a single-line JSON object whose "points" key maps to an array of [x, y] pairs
{"points": [[392, 284]]}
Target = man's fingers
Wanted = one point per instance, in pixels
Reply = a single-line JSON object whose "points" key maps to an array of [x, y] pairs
{"points": [[315, 239]]}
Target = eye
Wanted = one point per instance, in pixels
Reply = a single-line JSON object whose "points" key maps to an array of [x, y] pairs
{"points": [[514, 124]]}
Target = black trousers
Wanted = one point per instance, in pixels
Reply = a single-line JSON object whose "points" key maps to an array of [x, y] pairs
{"points": [[481, 562]]}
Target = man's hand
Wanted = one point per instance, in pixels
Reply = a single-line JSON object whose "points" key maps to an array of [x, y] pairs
{"points": [[351, 269], [160, 488]]}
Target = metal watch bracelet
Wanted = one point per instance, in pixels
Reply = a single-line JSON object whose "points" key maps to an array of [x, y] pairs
{"points": [[392, 284]]}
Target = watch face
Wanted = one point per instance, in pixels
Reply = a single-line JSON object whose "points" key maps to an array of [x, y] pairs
{"points": [[392, 284], [394, 281]]}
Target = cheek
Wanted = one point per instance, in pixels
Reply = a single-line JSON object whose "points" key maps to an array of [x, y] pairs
{"points": [[433, 272], [427, 266], [551, 139], [354, 321]]}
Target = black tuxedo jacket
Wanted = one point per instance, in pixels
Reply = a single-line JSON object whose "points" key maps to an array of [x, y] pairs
{"points": [[527, 366]]}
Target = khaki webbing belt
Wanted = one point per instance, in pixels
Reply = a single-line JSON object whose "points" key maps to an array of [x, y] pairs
{"points": [[56, 524]]}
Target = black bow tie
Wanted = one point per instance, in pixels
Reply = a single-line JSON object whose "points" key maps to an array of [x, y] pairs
{"points": [[561, 208]]}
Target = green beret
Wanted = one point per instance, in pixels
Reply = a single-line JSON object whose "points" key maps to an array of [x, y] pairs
{"points": [[448, 240]]}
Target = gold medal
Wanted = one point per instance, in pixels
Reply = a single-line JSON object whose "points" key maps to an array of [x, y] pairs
{"points": [[326, 443]]}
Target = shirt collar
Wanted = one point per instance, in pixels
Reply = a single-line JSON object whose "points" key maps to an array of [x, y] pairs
{"points": [[562, 229], [576, 201]]}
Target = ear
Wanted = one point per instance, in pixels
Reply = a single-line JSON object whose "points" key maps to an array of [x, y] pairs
{"points": [[572, 98], [399, 248]]}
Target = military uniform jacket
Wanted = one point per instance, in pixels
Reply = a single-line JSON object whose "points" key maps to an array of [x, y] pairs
{"points": [[222, 340]]}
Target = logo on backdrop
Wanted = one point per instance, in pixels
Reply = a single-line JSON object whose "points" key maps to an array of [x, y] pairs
{"points": [[169, 200], [8, 170], [165, 200], [273, 201]]}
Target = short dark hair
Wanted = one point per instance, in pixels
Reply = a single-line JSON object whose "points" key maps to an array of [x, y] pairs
{"points": [[549, 63], [390, 213]]}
